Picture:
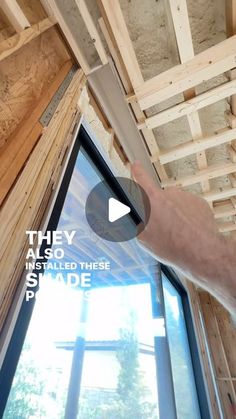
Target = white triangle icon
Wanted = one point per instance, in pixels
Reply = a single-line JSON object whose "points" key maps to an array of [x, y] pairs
{"points": [[116, 210]]}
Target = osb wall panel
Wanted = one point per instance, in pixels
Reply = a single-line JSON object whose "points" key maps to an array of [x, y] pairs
{"points": [[25, 75]]}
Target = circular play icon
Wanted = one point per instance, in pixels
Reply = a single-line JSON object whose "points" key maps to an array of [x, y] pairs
{"points": [[118, 213]]}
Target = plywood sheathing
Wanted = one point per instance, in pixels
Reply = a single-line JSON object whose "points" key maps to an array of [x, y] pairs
{"points": [[24, 76]]}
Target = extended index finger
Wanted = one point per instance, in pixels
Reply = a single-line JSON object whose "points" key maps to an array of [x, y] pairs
{"points": [[142, 178]]}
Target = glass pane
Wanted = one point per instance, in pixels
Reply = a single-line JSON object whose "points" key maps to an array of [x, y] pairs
{"points": [[183, 378], [41, 382], [119, 374]]}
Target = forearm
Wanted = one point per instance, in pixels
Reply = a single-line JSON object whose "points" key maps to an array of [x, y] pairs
{"points": [[214, 268]]}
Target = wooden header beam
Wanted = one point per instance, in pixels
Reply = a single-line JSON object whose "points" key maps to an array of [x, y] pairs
{"points": [[209, 63], [115, 16]]}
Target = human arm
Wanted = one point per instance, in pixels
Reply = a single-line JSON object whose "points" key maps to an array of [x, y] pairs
{"points": [[182, 233]]}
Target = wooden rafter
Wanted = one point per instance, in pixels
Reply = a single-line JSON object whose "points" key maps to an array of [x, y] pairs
{"points": [[124, 68], [204, 66], [211, 172], [115, 17], [14, 14], [192, 105], [91, 27], [186, 149], [52, 9], [224, 210]]}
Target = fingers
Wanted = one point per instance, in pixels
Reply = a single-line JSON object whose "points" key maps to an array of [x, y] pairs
{"points": [[143, 179]]}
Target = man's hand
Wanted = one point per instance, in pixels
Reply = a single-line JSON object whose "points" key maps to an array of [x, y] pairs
{"points": [[182, 232]]}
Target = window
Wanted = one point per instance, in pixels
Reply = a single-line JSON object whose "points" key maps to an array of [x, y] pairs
{"points": [[97, 355], [181, 364]]}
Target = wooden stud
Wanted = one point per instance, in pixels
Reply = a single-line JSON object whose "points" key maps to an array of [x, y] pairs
{"points": [[186, 149], [119, 29], [221, 365], [25, 184], [211, 172], [15, 42], [204, 66], [91, 27], [191, 105], [201, 337], [15, 15], [53, 9]]}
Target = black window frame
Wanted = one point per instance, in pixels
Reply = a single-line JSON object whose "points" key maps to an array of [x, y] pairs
{"points": [[8, 369]]}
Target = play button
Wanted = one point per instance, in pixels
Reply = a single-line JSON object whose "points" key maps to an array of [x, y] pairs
{"points": [[118, 212]]}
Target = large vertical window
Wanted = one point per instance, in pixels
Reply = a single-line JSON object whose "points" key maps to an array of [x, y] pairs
{"points": [[95, 357]]}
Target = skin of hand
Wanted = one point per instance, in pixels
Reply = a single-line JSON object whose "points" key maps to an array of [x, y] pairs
{"points": [[182, 233]]}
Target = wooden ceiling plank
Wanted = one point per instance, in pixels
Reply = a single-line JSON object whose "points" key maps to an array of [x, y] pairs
{"points": [[211, 172], [224, 135], [53, 10], [92, 30], [181, 23], [15, 15], [120, 31], [15, 42], [204, 66], [192, 105]]}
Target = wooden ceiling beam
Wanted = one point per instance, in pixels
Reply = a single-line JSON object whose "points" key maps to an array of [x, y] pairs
{"points": [[92, 30], [211, 172], [219, 193], [192, 105], [123, 70], [227, 227], [224, 135], [204, 66], [116, 20], [15, 15], [181, 23], [225, 210], [52, 9]]}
